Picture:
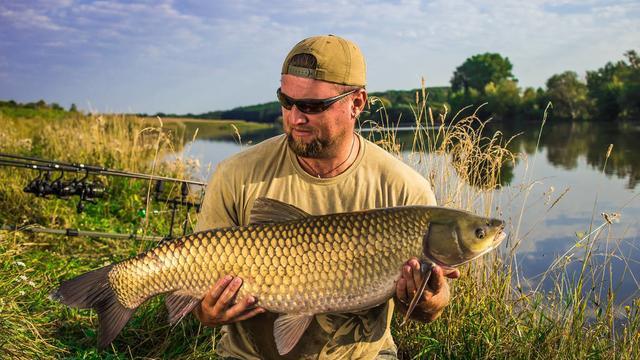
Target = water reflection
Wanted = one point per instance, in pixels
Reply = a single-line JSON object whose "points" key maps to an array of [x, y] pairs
{"points": [[567, 142]]}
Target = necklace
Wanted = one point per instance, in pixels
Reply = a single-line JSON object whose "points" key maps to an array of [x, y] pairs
{"points": [[321, 175]]}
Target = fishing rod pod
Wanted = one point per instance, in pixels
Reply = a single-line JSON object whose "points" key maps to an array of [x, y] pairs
{"points": [[89, 190]]}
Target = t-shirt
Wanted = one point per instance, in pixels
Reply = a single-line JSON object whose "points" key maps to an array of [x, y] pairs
{"points": [[270, 169]]}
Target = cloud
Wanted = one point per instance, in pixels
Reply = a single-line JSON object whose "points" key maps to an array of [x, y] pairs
{"points": [[243, 42], [29, 19]]}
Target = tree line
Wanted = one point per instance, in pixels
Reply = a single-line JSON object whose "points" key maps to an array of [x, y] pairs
{"points": [[485, 84], [40, 108], [610, 93]]}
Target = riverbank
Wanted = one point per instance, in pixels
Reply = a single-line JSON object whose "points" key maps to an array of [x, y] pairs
{"points": [[489, 316]]}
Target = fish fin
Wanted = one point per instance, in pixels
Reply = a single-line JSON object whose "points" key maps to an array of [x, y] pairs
{"points": [[426, 273], [288, 329], [179, 306], [267, 210], [92, 290]]}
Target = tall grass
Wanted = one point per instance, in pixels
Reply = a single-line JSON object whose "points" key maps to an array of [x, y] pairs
{"points": [[31, 325], [490, 316]]}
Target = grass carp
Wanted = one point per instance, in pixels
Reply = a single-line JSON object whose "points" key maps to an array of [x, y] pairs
{"points": [[294, 263]]}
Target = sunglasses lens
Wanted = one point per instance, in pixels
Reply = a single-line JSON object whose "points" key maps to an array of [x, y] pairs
{"points": [[311, 107], [284, 100]]}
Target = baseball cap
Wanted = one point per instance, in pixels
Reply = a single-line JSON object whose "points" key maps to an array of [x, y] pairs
{"points": [[339, 60]]}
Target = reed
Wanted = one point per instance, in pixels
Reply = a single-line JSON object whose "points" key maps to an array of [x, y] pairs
{"points": [[491, 314]]}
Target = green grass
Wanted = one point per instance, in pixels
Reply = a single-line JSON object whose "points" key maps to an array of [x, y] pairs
{"points": [[489, 316], [187, 129]]}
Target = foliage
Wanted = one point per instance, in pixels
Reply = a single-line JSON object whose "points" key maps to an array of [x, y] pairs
{"points": [[480, 70], [568, 96], [486, 81], [39, 109], [615, 88], [399, 104], [260, 113], [500, 101], [611, 92], [396, 103], [533, 102]]}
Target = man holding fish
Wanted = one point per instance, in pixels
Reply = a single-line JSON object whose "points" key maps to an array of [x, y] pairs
{"points": [[321, 166]]}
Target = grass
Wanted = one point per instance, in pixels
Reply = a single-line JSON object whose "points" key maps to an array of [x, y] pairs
{"points": [[187, 129], [490, 315]]}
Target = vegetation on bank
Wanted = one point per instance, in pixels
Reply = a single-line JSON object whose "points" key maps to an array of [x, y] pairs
{"points": [[610, 93], [489, 316], [39, 109], [483, 84]]}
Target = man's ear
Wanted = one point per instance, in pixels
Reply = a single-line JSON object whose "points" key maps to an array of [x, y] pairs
{"points": [[359, 103]]}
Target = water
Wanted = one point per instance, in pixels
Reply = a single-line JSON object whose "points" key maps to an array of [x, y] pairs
{"points": [[569, 187]]}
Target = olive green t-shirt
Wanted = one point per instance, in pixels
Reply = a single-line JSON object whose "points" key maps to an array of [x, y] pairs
{"points": [[270, 169]]}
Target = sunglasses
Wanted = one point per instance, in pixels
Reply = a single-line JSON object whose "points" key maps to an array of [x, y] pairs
{"points": [[310, 106]]}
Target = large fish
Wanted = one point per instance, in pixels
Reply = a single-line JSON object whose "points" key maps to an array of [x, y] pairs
{"points": [[294, 263]]}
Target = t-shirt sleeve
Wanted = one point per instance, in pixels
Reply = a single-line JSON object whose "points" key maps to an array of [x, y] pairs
{"points": [[218, 206]]}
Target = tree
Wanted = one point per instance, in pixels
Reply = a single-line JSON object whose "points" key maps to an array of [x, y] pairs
{"points": [[73, 108], [630, 95], [533, 103], [503, 99], [568, 95], [479, 70], [615, 88]]}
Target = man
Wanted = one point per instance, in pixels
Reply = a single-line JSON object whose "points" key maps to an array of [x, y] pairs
{"points": [[321, 166]]}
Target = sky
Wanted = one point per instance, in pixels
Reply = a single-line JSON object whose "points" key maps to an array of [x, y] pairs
{"points": [[197, 56]]}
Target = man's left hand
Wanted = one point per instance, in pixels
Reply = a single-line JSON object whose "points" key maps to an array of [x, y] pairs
{"points": [[435, 296]]}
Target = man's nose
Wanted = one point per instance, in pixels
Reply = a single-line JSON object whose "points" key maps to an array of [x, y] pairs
{"points": [[296, 116]]}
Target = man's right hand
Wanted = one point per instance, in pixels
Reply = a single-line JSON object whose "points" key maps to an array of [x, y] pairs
{"points": [[219, 307]]}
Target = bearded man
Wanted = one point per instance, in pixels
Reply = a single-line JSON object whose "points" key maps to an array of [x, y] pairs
{"points": [[321, 166]]}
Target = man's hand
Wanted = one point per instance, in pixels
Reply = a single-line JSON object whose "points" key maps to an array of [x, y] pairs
{"points": [[435, 296], [219, 307]]}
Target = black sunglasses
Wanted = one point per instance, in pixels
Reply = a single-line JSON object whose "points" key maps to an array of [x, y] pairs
{"points": [[310, 106]]}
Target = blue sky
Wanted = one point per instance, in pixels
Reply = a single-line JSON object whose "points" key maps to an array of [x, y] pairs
{"points": [[196, 56]]}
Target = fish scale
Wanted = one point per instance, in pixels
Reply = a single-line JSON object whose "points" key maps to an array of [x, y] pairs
{"points": [[324, 264], [295, 264]]}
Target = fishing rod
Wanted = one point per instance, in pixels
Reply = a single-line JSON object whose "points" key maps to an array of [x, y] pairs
{"points": [[50, 165], [44, 185], [34, 229]]}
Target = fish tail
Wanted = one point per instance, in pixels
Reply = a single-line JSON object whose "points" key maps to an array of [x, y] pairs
{"points": [[92, 290]]}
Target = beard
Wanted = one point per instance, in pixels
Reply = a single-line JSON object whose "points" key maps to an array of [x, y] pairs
{"points": [[317, 148]]}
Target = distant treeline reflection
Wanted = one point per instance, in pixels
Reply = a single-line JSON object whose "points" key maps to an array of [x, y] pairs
{"points": [[564, 143]]}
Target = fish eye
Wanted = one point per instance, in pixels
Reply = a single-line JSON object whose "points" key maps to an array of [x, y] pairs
{"points": [[480, 233]]}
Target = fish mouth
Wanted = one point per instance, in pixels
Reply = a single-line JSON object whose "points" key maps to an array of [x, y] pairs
{"points": [[498, 239]]}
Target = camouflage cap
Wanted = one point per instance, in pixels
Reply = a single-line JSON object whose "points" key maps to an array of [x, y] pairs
{"points": [[338, 60]]}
